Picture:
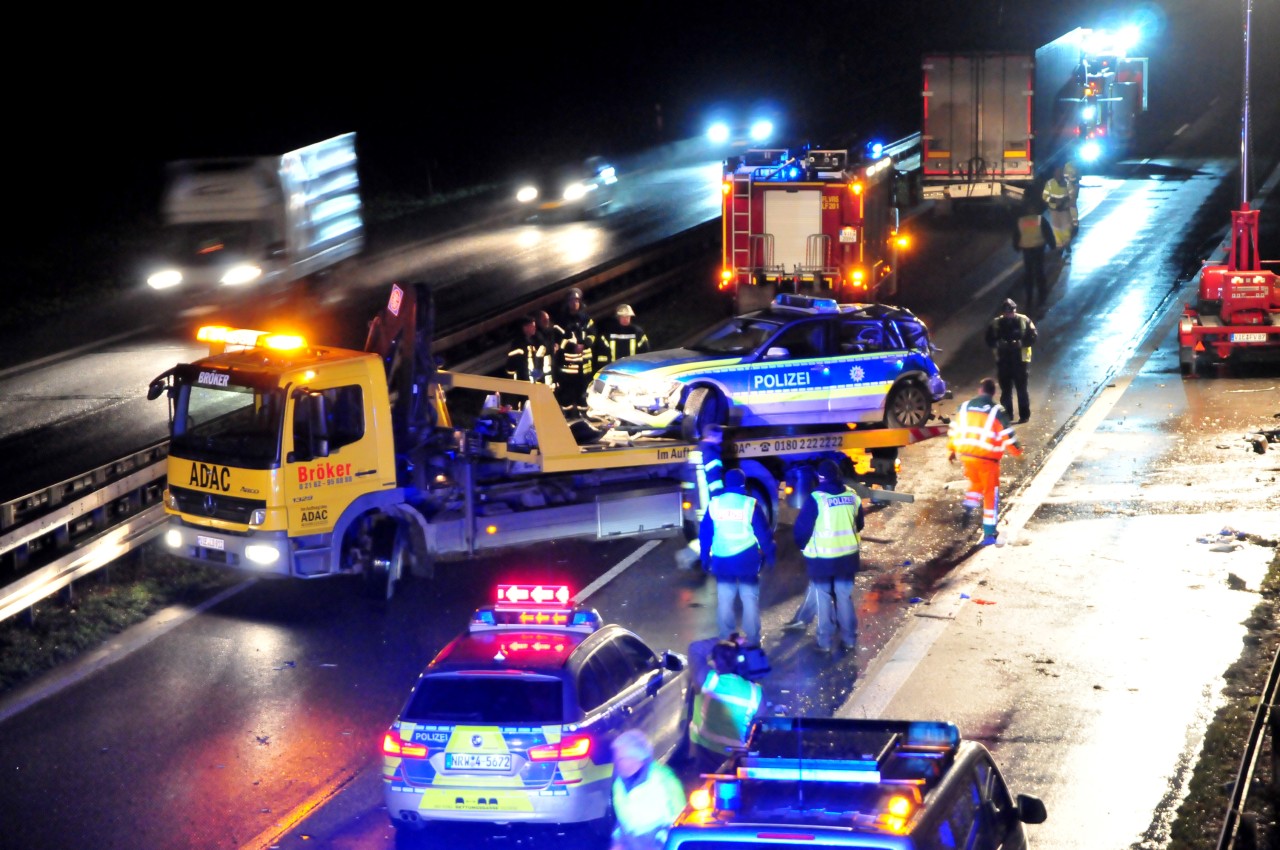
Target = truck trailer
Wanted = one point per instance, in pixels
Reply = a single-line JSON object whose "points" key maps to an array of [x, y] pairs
{"points": [[994, 122], [252, 224], [291, 459]]}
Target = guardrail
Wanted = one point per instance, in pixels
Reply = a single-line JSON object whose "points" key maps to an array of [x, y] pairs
{"points": [[1239, 827], [63, 532]]}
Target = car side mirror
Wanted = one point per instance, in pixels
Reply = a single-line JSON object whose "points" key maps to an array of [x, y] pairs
{"points": [[672, 662], [1031, 809], [777, 352]]}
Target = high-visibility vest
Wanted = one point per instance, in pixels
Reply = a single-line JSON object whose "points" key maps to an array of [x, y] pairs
{"points": [[835, 532], [1056, 194], [1030, 234], [723, 711], [732, 514], [647, 811], [976, 431]]}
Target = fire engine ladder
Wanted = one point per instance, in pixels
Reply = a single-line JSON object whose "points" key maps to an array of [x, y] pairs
{"points": [[750, 254]]}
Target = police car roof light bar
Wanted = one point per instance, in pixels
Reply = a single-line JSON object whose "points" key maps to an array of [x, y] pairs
{"points": [[807, 303], [534, 595]]}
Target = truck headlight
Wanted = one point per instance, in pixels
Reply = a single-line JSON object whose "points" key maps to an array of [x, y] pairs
{"points": [[166, 279], [259, 554], [240, 275], [173, 538]]}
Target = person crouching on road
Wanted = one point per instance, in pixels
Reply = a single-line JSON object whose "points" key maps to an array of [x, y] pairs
{"points": [[723, 708], [827, 532], [647, 795], [735, 546], [981, 434]]}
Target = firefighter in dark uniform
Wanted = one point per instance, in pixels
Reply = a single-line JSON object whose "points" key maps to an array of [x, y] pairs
{"points": [[1011, 336], [576, 336], [620, 337], [528, 358]]}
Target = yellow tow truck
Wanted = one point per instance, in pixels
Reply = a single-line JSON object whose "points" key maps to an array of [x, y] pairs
{"points": [[293, 459]]}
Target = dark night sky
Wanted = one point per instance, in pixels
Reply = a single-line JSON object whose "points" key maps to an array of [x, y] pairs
{"points": [[468, 91]]}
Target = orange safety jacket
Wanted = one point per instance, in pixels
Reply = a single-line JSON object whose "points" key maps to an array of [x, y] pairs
{"points": [[981, 430]]}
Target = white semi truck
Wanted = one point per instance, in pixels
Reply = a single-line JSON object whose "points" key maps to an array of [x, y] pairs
{"points": [[250, 224]]}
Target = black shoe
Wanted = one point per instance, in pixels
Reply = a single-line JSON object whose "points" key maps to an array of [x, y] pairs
{"points": [[1024, 419], [822, 650], [794, 626]]}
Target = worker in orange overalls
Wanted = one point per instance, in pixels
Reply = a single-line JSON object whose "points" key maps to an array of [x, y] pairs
{"points": [[980, 434]]}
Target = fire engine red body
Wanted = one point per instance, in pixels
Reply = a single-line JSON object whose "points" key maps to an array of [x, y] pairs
{"points": [[1238, 304], [815, 222]]}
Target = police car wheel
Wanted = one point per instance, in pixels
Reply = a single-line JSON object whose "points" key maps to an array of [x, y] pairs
{"points": [[908, 406], [703, 408]]}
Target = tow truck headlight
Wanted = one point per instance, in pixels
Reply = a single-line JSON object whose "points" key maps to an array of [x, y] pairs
{"points": [[166, 279], [575, 191], [527, 194], [173, 538], [260, 554], [240, 275]]}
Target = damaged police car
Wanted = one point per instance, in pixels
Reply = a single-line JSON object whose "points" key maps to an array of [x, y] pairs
{"points": [[804, 360]]}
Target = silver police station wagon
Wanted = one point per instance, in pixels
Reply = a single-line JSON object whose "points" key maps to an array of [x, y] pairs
{"points": [[802, 361]]}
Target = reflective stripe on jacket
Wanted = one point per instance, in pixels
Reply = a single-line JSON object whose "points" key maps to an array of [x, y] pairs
{"points": [[835, 532], [1030, 234], [723, 711], [979, 430], [732, 514]]}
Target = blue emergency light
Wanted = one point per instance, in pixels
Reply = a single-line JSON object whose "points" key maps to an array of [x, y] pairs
{"points": [[806, 302], [811, 770]]}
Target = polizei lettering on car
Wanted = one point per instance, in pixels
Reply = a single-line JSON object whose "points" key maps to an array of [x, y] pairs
{"points": [[776, 380]]}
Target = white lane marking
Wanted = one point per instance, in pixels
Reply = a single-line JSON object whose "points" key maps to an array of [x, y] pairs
{"points": [[616, 570], [124, 645], [1181, 130]]}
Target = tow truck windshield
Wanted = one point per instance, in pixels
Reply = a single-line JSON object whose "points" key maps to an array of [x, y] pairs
{"points": [[225, 422]]}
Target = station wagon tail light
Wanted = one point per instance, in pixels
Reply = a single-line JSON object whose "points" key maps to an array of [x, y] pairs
{"points": [[394, 745], [570, 747]]}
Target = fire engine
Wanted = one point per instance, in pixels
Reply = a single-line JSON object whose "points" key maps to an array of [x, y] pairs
{"points": [[817, 221]]}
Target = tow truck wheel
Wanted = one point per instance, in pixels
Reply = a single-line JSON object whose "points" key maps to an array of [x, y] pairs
{"points": [[388, 557], [704, 407], [908, 406]]}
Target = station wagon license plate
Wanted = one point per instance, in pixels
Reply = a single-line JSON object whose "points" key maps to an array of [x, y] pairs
{"points": [[477, 761], [210, 542], [1249, 337]]}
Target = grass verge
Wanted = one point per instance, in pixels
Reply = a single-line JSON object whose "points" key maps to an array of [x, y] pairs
{"points": [[101, 606]]}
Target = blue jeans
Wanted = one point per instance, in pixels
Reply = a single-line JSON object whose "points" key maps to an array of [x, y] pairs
{"points": [[835, 612], [728, 591], [808, 606]]}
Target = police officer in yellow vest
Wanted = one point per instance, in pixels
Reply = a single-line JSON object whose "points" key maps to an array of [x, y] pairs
{"points": [[724, 707], [827, 532], [735, 544], [1032, 236], [1059, 199]]}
